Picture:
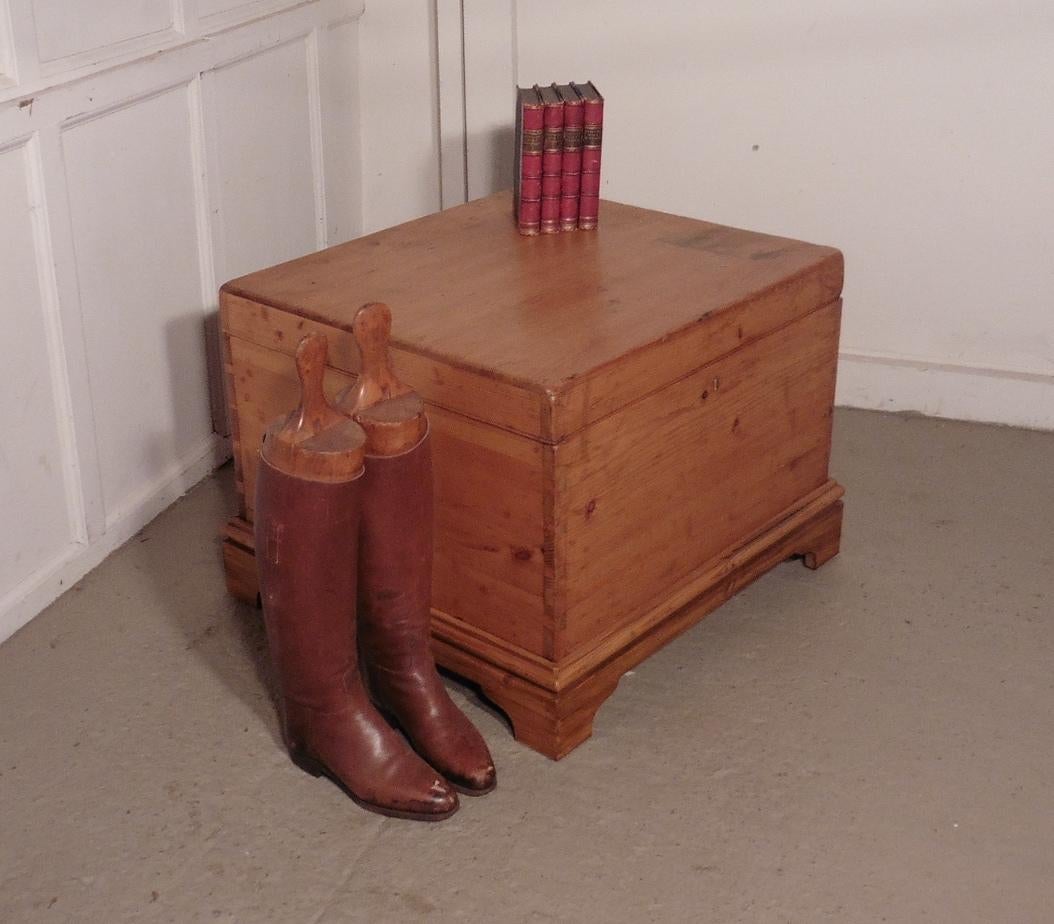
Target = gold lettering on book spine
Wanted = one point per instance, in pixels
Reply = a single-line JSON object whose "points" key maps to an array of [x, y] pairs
{"points": [[532, 141], [554, 140], [591, 136], [572, 138]]}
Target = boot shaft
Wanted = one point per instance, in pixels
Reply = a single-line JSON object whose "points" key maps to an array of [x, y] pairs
{"points": [[395, 554], [307, 541]]}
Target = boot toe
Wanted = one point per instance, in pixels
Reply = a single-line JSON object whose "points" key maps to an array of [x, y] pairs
{"points": [[470, 770], [479, 780], [457, 750], [428, 801], [442, 800]]}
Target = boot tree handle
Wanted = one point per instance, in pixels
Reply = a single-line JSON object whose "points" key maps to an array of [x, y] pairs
{"points": [[315, 413], [372, 327], [315, 441], [391, 413]]}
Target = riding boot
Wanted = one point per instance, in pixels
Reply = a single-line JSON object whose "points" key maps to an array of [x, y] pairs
{"points": [[395, 563], [395, 585], [309, 496]]}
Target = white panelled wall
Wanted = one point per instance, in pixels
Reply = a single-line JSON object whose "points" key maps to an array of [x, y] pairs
{"points": [[149, 150], [918, 138]]}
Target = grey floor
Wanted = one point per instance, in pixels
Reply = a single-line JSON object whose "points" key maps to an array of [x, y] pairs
{"points": [[870, 742]]}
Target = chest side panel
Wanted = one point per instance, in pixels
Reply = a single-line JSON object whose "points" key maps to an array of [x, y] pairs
{"points": [[655, 492]]}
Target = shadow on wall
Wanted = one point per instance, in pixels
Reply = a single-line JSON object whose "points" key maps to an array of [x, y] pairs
{"points": [[214, 357], [491, 160], [185, 564], [184, 413]]}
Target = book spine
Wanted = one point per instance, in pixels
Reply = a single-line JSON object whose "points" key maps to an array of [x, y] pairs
{"points": [[592, 136], [529, 187], [571, 167], [552, 167]]}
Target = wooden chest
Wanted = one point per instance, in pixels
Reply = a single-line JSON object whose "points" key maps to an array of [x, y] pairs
{"points": [[630, 424]]}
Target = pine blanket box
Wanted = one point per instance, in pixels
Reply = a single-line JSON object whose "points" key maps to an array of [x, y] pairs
{"points": [[629, 425]]}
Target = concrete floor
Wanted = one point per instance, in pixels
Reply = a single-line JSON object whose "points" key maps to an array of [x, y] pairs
{"points": [[870, 742]]}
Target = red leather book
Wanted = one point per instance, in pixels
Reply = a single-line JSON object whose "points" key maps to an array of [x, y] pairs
{"points": [[592, 135], [552, 159], [527, 192], [571, 161]]}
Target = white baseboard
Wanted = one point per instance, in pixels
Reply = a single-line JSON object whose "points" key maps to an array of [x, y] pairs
{"points": [[43, 587], [1000, 396]]}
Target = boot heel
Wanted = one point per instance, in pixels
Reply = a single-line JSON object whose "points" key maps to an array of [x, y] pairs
{"points": [[307, 764]]}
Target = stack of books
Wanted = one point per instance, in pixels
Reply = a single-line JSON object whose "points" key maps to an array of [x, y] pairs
{"points": [[558, 135]]}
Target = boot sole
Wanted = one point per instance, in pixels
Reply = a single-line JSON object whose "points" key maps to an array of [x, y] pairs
{"points": [[316, 769], [465, 791]]}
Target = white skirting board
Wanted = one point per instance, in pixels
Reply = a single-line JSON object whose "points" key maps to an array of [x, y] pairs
{"points": [[45, 586], [1008, 397]]}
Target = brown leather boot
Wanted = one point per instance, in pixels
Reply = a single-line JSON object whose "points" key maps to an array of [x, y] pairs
{"points": [[308, 506], [395, 566], [395, 590]]}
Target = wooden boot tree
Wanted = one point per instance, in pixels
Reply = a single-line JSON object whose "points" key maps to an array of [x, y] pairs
{"points": [[315, 441], [390, 412]]}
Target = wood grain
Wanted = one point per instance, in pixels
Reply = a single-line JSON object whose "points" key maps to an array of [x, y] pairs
{"points": [[580, 322], [584, 401], [652, 493], [468, 391], [489, 532]]}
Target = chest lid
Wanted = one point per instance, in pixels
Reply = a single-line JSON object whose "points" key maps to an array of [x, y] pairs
{"points": [[545, 335]]}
